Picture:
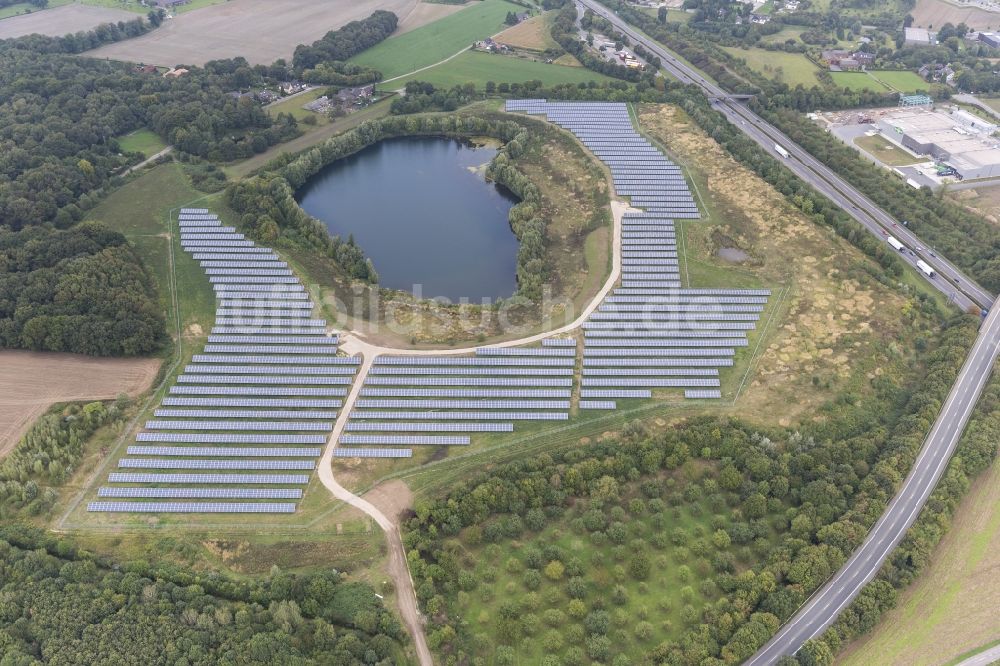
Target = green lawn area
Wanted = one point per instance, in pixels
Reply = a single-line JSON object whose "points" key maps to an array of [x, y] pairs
{"points": [[478, 67], [856, 81], [992, 102], [901, 81], [436, 41], [884, 151], [294, 105], [782, 36], [791, 68], [143, 141], [20, 7]]}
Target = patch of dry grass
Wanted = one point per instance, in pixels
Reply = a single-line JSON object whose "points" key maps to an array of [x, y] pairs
{"points": [[838, 326], [532, 34]]}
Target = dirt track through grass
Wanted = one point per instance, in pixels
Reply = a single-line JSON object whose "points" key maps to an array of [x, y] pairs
{"points": [[32, 381]]}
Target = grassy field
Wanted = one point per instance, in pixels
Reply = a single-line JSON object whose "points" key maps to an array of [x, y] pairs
{"points": [[532, 34], [900, 81], [992, 102], [142, 141], [885, 151], [951, 608], [478, 67], [294, 106], [28, 8], [791, 68], [436, 41], [856, 81]]}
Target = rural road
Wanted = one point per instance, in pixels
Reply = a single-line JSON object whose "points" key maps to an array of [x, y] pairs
{"points": [[984, 658], [975, 101], [352, 344], [950, 280], [825, 605], [823, 608]]}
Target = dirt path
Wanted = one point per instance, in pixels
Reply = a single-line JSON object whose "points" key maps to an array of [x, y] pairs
{"points": [[352, 344], [148, 160]]}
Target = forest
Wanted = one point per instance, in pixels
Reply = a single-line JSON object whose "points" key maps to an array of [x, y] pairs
{"points": [[780, 511], [63, 605], [80, 290]]}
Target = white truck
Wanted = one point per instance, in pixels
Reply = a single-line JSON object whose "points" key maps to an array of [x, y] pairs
{"points": [[896, 245], [778, 148], [925, 268]]}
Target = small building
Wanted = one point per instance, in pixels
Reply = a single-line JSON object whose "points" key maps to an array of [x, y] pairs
{"points": [[170, 4], [915, 100], [291, 87], [266, 96], [833, 56], [991, 39], [145, 69], [522, 16], [849, 65], [318, 105], [864, 58], [760, 19], [356, 95], [919, 37]]}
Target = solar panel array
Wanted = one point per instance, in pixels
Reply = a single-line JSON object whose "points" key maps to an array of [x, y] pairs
{"points": [[652, 332], [410, 400], [263, 396]]}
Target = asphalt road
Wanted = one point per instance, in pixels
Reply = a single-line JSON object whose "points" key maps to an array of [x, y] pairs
{"points": [[984, 658], [826, 604], [949, 280]]}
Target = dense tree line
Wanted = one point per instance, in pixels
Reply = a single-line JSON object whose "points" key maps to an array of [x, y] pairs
{"points": [[975, 453], [525, 218], [419, 96], [60, 115], [347, 41], [818, 488], [48, 454], [82, 290], [62, 605]]}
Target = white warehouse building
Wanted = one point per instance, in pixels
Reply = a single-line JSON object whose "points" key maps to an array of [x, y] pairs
{"points": [[960, 139]]}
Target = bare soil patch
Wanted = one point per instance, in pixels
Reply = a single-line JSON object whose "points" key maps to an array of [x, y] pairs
{"points": [[532, 34], [61, 21], [391, 498], [259, 30], [983, 200], [31, 381], [936, 13], [424, 13]]}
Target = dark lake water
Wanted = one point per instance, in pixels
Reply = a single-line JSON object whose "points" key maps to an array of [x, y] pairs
{"points": [[418, 208]]}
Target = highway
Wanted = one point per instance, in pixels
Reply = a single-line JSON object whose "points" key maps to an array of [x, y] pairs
{"points": [[950, 281], [825, 605]]}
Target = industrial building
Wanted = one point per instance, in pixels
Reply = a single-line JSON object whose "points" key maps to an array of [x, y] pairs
{"points": [[958, 138], [919, 37]]}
